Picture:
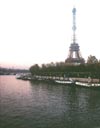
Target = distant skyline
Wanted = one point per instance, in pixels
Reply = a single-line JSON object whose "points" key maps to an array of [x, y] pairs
{"points": [[40, 31]]}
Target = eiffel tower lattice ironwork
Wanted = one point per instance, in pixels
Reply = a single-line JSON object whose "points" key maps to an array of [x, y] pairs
{"points": [[74, 51]]}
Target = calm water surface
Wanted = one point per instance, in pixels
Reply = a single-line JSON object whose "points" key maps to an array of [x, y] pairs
{"points": [[25, 104]]}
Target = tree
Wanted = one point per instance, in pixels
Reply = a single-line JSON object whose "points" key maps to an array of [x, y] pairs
{"points": [[34, 69], [92, 60]]}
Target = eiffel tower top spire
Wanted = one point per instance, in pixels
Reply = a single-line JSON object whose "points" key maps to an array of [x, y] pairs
{"points": [[74, 24]]}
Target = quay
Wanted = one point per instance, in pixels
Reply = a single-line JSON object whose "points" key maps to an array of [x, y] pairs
{"points": [[39, 77], [53, 78], [81, 82]]}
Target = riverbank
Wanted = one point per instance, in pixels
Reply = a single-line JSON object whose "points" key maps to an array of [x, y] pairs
{"points": [[87, 80], [53, 78]]}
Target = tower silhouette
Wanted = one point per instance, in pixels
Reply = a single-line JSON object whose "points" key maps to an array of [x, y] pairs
{"points": [[74, 56]]}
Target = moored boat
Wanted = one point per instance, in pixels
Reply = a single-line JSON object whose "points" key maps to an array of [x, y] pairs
{"points": [[69, 81], [89, 85], [23, 76], [18, 76]]}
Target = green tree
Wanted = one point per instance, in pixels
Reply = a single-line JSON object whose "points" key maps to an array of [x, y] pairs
{"points": [[34, 69], [92, 60]]}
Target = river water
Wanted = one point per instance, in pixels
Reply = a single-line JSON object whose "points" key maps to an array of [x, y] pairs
{"points": [[25, 104]]}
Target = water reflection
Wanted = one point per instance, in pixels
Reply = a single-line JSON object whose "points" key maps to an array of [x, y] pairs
{"points": [[45, 105]]}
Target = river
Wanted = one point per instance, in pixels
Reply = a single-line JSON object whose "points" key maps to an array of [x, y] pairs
{"points": [[29, 104]]}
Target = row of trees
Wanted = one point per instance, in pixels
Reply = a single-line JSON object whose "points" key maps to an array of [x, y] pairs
{"points": [[90, 68]]}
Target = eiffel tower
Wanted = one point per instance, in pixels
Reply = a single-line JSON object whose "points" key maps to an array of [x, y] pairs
{"points": [[74, 56]]}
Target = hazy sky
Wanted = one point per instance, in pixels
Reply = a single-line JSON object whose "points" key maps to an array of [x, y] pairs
{"points": [[40, 31]]}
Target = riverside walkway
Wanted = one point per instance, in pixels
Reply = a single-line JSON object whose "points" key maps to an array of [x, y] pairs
{"points": [[52, 78]]}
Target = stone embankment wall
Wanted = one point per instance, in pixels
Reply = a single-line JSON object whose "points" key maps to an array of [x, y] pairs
{"points": [[64, 78], [37, 77], [86, 80]]}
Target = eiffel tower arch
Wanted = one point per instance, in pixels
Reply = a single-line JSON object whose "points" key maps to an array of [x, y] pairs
{"points": [[74, 55]]}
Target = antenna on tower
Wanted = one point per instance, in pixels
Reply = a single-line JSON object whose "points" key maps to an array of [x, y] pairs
{"points": [[74, 24]]}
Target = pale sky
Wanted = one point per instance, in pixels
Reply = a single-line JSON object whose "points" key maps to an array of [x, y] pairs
{"points": [[40, 31]]}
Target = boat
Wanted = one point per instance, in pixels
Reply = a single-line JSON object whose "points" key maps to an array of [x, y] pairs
{"points": [[89, 85], [23, 76], [69, 81], [18, 76]]}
